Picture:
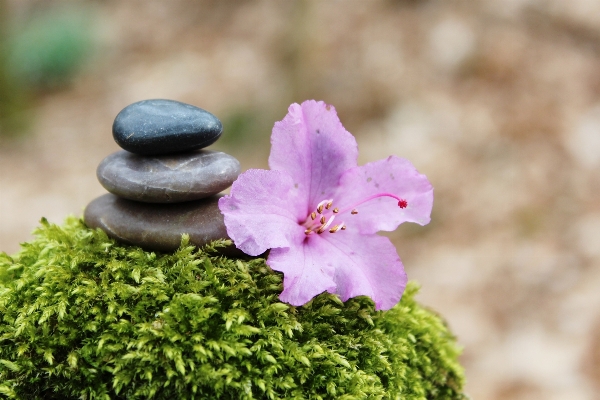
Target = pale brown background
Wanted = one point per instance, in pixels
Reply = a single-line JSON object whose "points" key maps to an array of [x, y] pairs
{"points": [[496, 101]]}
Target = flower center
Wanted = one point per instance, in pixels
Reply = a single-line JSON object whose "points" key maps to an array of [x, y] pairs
{"points": [[322, 218]]}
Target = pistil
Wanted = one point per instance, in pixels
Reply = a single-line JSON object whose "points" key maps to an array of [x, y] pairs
{"points": [[402, 203]]}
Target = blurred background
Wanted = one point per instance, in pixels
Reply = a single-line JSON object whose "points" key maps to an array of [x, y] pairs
{"points": [[496, 101]]}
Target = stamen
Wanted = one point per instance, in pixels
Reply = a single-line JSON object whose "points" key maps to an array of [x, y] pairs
{"points": [[336, 228], [322, 228], [328, 204], [322, 205]]}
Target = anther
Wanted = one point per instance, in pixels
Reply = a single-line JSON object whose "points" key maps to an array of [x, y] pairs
{"points": [[308, 232], [336, 228], [313, 215], [336, 210], [323, 219], [324, 204], [323, 227], [354, 212]]}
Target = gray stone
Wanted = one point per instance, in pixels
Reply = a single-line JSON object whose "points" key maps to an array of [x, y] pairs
{"points": [[169, 178], [165, 126], [158, 227]]}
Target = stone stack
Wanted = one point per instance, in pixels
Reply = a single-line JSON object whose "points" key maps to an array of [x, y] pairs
{"points": [[163, 184]]}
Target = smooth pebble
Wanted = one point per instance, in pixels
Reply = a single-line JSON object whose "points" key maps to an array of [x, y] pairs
{"points": [[168, 178], [164, 126], [157, 227]]}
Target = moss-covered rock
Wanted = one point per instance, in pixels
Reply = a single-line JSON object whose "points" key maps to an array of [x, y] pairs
{"points": [[83, 317]]}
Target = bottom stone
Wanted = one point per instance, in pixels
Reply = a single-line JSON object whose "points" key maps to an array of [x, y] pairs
{"points": [[157, 226]]}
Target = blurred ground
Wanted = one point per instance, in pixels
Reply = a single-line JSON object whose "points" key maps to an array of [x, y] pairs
{"points": [[496, 101]]}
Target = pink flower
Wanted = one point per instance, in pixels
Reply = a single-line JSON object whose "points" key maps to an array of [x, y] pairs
{"points": [[319, 212]]}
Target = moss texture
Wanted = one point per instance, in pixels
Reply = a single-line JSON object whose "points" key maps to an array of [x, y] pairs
{"points": [[83, 317]]}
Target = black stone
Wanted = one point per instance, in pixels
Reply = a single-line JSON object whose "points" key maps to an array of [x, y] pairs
{"points": [[158, 227], [165, 126], [170, 178]]}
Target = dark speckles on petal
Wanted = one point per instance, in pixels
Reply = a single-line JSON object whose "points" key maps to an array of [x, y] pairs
{"points": [[369, 179]]}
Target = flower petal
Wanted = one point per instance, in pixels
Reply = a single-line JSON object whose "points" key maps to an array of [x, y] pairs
{"points": [[260, 211], [312, 146], [346, 263], [367, 265], [307, 271], [393, 175]]}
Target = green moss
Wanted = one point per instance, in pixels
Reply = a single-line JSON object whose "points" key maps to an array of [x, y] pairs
{"points": [[83, 317]]}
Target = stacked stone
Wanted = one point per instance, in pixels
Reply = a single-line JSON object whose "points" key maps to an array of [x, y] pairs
{"points": [[163, 184]]}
